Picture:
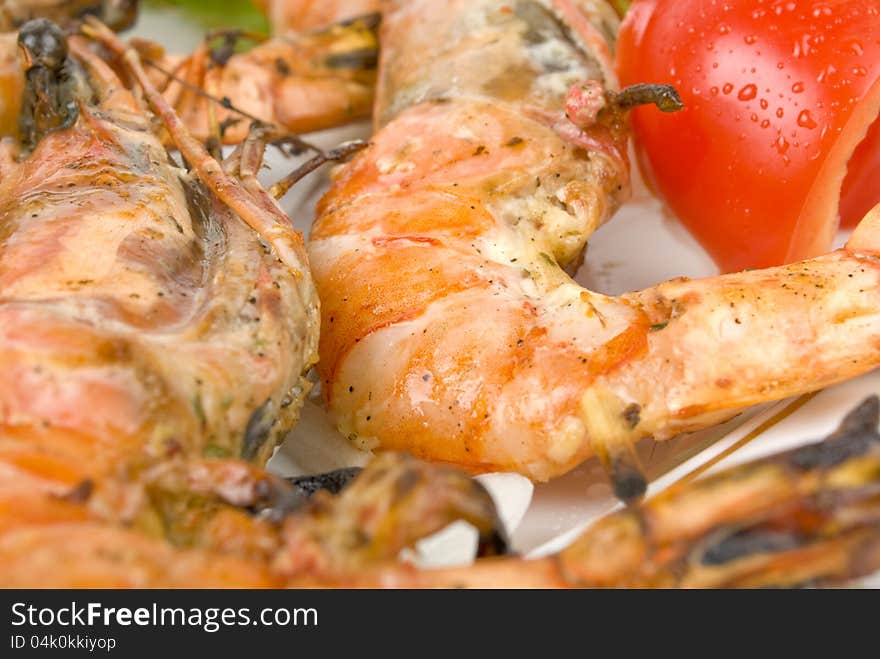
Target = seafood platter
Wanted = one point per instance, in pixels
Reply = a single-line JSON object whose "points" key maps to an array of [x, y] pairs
{"points": [[422, 294]]}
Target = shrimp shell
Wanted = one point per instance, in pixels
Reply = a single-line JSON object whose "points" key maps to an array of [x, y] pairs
{"points": [[141, 313], [451, 329]]}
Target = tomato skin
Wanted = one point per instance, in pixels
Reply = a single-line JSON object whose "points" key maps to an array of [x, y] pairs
{"points": [[777, 95]]}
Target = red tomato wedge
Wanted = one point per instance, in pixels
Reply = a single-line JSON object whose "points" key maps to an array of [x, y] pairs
{"points": [[778, 95]]}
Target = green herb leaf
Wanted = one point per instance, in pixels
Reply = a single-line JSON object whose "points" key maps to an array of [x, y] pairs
{"points": [[215, 451], [213, 14], [620, 6]]}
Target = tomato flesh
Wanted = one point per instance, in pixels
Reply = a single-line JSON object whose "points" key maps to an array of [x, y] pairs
{"points": [[777, 96], [861, 187]]}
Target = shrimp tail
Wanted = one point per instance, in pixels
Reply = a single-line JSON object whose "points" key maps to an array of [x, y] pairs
{"points": [[808, 515]]}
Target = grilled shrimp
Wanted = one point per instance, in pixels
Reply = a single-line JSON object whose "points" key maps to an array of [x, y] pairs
{"points": [[152, 321], [809, 516], [298, 82], [450, 327], [145, 310], [295, 82]]}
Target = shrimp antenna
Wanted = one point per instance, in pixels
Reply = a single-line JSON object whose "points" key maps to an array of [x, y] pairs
{"points": [[226, 103], [609, 426], [665, 97], [339, 153]]}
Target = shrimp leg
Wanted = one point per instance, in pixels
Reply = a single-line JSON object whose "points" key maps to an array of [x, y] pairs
{"points": [[295, 83], [806, 516], [225, 523], [140, 317]]}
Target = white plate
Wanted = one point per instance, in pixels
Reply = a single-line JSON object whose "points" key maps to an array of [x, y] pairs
{"points": [[638, 248]]}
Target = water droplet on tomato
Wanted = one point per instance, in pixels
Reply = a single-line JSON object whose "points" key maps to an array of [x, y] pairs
{"points": [[713, 91], [860, 71], [747, 93], [828, 71], [723, 29], [763, 103], [779, 112], [797, 87], [805, 120], [765, 123], [754, 117], [750, 39], [781, 144], [727, 88]]}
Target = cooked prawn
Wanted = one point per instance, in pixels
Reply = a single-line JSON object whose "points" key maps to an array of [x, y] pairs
{"points": [[809, 516], [152, 321], [298, 82], [450, 327], [145, 310], [101, 440], [118, 14], [804, 517]]}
